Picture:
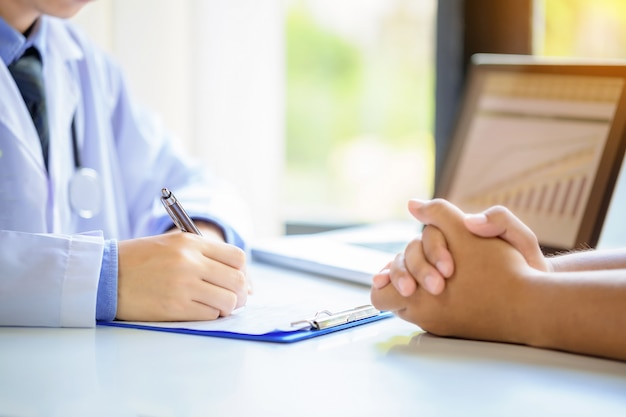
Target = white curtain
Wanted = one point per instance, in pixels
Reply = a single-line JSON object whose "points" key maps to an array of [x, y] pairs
{"points": [[214, 71]]}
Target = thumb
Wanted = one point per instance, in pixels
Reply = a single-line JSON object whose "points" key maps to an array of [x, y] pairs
{"points": [[498, 221]]}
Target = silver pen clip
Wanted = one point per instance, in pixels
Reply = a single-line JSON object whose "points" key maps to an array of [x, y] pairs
{"points": [[325, 319]]}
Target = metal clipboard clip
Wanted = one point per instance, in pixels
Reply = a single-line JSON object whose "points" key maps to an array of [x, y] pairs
{"points": [[325, 319]]}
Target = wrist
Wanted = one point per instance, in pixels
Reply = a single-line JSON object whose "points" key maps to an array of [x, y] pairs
{"points": [[509, 303], [552, 265], [532, 318]]}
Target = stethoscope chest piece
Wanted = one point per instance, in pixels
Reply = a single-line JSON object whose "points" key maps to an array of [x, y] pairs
{"points": [[85, 191]]}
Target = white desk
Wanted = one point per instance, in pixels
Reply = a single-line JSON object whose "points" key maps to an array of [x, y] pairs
{"points": [[382, 369]]}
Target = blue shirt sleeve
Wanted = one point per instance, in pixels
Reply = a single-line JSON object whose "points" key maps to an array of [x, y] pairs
{"points": [[106, 302]]}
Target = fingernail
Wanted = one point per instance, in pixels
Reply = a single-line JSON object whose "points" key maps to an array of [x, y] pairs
{"points": [[478, 218], [443, 268], [417, 202], [404, 290], [432, 284], [379, 281]]}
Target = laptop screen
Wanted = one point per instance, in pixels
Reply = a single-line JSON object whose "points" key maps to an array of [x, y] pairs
{"points": [[545, 139]]}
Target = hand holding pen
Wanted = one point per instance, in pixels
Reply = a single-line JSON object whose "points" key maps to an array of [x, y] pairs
{"points": [[178, 277]]}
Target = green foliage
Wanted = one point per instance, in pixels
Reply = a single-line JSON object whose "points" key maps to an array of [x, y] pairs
{"points": [[339, 92], [323, 78]]}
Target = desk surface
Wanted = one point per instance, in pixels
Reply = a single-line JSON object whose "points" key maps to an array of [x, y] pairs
{"points": [[387, 368]]}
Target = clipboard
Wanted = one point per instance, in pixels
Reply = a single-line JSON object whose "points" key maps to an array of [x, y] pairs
{"points": [[319, 324]]}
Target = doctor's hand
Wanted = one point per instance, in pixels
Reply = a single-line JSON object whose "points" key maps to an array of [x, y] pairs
{"points": [[179, 277]]}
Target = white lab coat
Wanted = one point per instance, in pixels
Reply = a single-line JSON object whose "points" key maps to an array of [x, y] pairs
{"points": [[49, 265]]}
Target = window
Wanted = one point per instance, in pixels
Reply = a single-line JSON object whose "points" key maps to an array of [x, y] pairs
{"points": [[360, 103], [581, 28], [214, 74]]}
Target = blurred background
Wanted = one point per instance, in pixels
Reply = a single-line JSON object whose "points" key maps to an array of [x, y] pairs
{"points": [[321, 112]]}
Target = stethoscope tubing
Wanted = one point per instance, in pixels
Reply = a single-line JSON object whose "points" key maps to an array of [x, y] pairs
{"points": [[85, 188]]}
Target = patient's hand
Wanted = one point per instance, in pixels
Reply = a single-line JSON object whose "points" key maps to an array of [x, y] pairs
{"points": [[483, 296], [498, 221], [427, 261]]}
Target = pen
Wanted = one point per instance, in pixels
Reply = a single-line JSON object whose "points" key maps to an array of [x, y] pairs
{"points": [[178, 213]]}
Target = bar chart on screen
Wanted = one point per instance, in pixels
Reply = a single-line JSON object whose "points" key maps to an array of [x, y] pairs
{"points": [[552, 191], [535, 148]]}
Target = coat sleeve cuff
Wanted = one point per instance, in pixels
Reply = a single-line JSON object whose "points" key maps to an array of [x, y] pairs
{"points": [[106, 303]]}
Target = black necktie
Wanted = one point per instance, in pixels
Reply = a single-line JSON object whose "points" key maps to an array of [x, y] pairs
{"points": [[28, 74]]}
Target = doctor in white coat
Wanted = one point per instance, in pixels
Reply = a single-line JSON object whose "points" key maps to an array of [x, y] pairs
{"points": [[83, 238]]}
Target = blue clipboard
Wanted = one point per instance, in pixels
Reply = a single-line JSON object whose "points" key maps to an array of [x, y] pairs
{"points": [[322, 323]]}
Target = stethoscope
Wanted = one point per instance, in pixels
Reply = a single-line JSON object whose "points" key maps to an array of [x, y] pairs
{"points": [[85, 187]]}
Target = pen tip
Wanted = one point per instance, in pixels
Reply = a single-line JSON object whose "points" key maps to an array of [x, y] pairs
{"points": [[165, 192]]}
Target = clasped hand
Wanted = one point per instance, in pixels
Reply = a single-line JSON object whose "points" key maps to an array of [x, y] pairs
{"points": [[465, 275]]}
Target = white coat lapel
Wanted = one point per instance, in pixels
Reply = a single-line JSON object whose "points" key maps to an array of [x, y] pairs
{"points": [[14, 117], [63, 97], [23, 177], [62, 89]]}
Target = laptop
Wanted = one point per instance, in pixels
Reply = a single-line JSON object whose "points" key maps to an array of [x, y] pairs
{"points": [[543, 137]]}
